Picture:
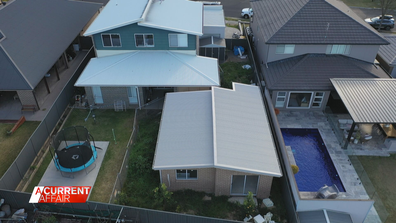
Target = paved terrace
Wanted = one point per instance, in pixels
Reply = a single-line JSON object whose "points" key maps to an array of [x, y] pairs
{"points": [[353, 186]]}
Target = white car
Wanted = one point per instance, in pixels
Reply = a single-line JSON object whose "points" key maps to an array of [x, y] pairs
{"points": [[247, 13]]}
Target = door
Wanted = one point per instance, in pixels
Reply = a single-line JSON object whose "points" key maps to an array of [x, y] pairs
{"points": [[242, 184], [97, 94], [132, 95]]}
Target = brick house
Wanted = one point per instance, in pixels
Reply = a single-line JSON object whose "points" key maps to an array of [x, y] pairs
{"points": [[217, 141], [144, 50]]}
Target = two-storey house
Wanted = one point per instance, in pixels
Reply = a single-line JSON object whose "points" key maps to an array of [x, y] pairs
{"points": [[144, 49], [301, 44]]}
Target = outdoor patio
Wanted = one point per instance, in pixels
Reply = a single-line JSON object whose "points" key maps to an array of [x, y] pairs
{"points": [[10, 106], [350, 179]]}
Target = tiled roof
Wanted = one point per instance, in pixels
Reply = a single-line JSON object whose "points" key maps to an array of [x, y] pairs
{"points": [[388, 52], [312, 22], [313, 72]]}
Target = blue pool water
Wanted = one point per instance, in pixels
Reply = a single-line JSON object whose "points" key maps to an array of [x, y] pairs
{"points": [[313, 159]]}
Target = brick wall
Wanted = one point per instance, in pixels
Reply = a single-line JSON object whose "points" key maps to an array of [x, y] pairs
{"points": [[223, 183], [26, 97], [205, 181], [110, 94], [211, 180]]}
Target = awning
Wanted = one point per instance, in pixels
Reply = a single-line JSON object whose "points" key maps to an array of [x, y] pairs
{"points": [[368, 100], [151, 68]]}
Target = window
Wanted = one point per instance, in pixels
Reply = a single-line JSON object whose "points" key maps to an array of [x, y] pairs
{"points": [[97, 95], [284, 49], [317, 100], [299, 99], [111, 40], [144, 40], [242, 184], [280, 99], [338, 49], [132, 95], [186, 174], [178, 40]]}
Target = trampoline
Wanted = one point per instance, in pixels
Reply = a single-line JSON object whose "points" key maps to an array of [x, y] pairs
{"points": [[74, 149]]}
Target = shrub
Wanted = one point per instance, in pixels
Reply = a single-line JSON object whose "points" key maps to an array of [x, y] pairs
{"points": [[162, 197], [249, 205], [295, 169]]}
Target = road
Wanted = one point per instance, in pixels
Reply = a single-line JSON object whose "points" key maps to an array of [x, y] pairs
{"points": [[233, 8]]}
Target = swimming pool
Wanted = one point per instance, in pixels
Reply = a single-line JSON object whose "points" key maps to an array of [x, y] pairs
{"points": [[312, 158]]}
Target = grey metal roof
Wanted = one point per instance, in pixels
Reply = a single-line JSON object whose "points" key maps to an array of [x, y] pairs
{"points": [[38, 32], [313, 72], [214, 15], [185, 139], [368, 100], [388, 52], [10, 77], [222, 128], [312, 22], [211, 42], [319, 216], [242, 135]]}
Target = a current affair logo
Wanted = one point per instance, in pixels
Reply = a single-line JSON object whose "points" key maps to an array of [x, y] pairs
{"points": [[60, 194]]}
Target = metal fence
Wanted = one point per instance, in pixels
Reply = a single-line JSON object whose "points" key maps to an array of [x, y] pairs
{"points": [[102, 211], [286, 188], [21, 165]]}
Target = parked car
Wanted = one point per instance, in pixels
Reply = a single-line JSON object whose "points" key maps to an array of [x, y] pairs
{"points": [[247, 13], [387, 23]]}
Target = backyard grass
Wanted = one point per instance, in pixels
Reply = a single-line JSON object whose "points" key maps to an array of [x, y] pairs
{"points": [[233, 72], [363, 3], [381, 172], [106, 120], [141, 179], [10, 146]]}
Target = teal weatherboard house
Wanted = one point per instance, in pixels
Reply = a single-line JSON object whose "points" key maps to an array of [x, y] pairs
{"points": [[144, 49]]}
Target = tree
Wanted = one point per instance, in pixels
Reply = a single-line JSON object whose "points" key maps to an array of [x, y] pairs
{"points": [[386, 6]]}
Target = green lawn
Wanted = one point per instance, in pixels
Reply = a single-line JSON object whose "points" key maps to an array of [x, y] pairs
{"points": [[106, 120], [381, 172], [141, 179], [363, 3], [233, 72], [10, 146]]}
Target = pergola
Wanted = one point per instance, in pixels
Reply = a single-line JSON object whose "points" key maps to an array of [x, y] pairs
{"points": [[368, 100]]}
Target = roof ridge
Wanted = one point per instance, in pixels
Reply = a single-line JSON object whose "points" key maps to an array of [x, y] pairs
{"points": [[354, 61], [193, 68], [112, 65], [19, 70], [376, 33], [281, 28]]}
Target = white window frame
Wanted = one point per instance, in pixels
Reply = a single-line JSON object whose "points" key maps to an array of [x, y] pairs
{"points": [[144, 39], [338, 49], [186, 175], [286, 48], [178, 39], [111, 39], [280, 96], [301, 92], [318, 97]]}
